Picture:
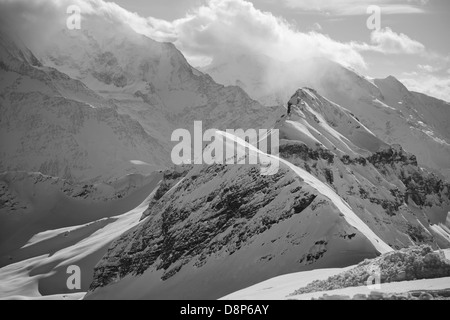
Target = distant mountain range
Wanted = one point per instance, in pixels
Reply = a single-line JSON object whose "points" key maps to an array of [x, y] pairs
{"points": [[397, 116]]}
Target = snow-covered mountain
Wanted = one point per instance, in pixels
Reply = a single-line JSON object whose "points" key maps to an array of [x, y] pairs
{"points": [[341, 195], [99, 105], [417, 122], [397, 116], [150, 81], [55, 125], [83, 134]]}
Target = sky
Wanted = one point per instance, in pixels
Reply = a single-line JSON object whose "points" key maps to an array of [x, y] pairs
{"points": [[408, 39], [412, 44]]}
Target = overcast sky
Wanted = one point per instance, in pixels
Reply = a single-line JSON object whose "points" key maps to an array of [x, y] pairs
{"points": [[412, 45]]}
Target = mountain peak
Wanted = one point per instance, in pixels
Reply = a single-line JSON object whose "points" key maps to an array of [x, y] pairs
{"points": [[304, 93], [393, 82]]}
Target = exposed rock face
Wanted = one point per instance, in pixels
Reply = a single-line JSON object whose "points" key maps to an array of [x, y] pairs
{"points": [[220, 213], [424, 188], [170, 179], [392, 185], [392, 156], [414, 263]]}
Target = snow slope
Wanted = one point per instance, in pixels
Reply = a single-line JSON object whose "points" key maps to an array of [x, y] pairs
{"points": [[280, 288], [329, 124], [77, 231], [286, 287]]}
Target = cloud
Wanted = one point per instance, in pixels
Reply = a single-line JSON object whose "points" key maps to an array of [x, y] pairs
{"points": [[427, 68], [235, 27], [429, 79], [36, 20], [217, 31], [435, 86], [211, 31], [357, 7], [389, 42]]}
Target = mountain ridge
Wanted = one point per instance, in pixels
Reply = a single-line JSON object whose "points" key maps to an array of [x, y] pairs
{"points": [[381, 196]]}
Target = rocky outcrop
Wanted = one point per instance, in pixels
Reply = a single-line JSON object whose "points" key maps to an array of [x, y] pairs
{"points": [[405, 265], [169, 180], [305, 153], [390, 182], [174, 235], [220, 213], [392, 156]]}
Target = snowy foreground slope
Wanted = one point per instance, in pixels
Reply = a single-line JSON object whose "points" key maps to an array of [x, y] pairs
{"points": [[341, 195], [48, 224], [284, 287]]}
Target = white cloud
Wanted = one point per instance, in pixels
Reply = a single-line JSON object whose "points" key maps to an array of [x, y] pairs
{"points": [[434, 86], [218, 30], [211, 31], [410, 74], [36, 20], [427, 68], [389, 42], [225, 27], [357, 7], [214, 30]]}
